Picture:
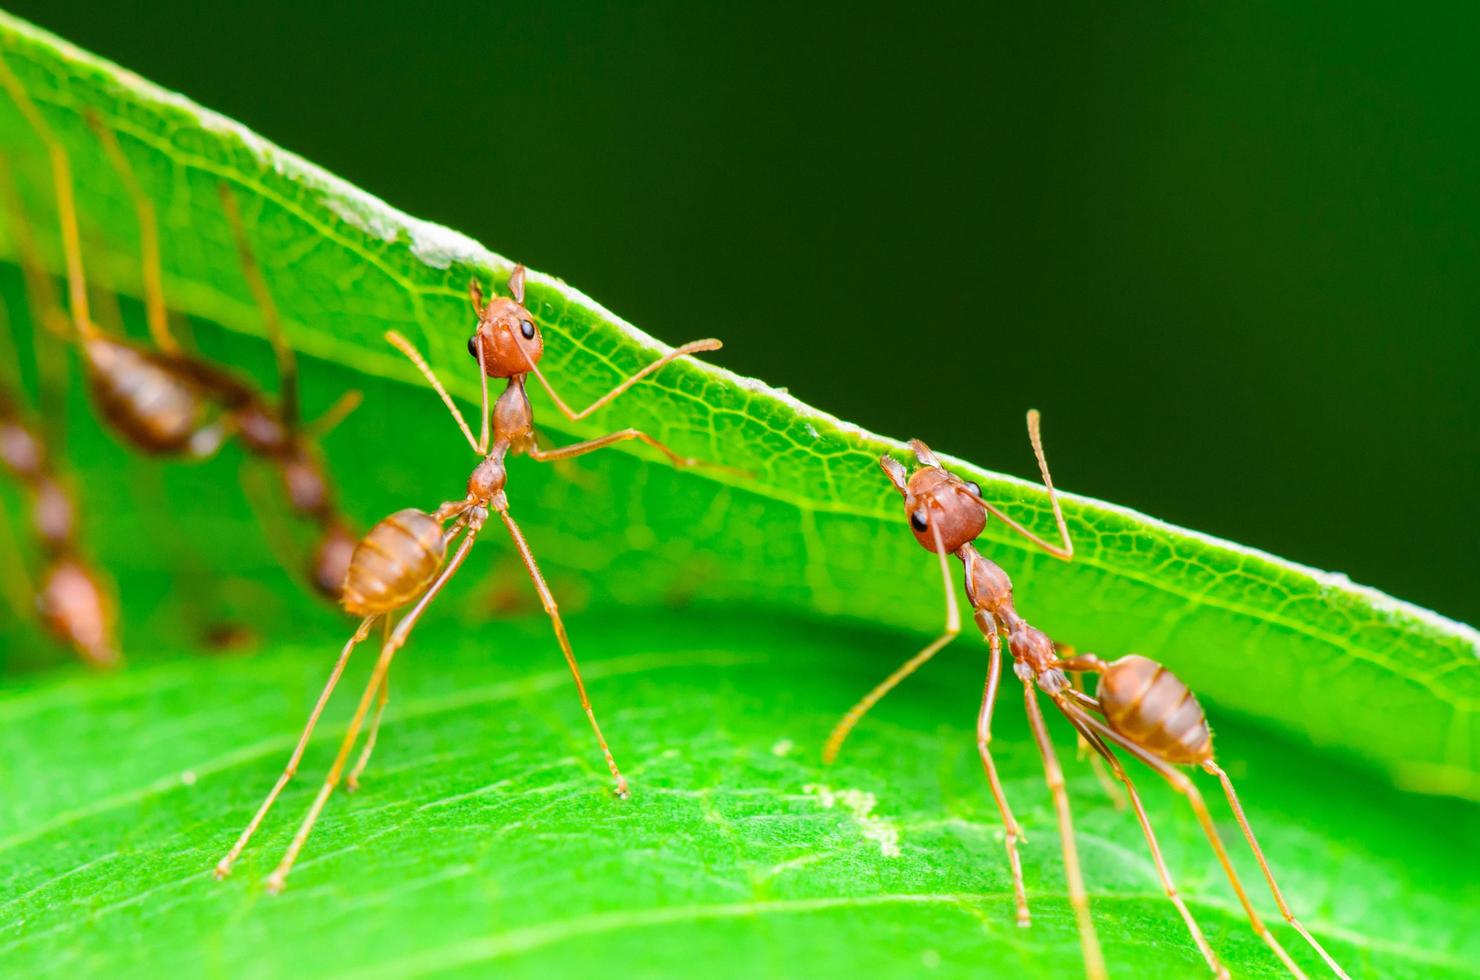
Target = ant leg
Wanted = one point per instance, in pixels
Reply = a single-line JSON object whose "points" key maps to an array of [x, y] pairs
{"points": [[154, 306], [1083, 663], [692, 347], [1238, 811], [1103, 751], [224, 867], [400, 343], [343, 407], [352, 782], [287, 362], [548, 601], [1013, 832], [845, 725], [275, 530], [279, 876], [591, 445], [61, 175], [11, 384], [1096, 764], [19, 590], [568, 471], [1076, 667], [1183, 785], [1089, 941], [50, 357], [40, 289]]}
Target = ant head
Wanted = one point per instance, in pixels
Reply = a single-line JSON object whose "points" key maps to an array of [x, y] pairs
{"points": [[937, 502], [506, 332]]}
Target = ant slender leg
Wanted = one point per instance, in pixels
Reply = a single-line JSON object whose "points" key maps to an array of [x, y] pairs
{"points": [[1096, 764], [1082, 663], [343, 407], [591, 445], [10, 366], [50, 356], [18, 589], [275, 531], [352, 782], [692, 347], [568, 471], [1103, 751], [1013, 832], [154, 305], [548, 601], [851, 718], [224, 867], [1238, 812], [403, 345], [1183, 785], [39, 285], [1089, 941], [61, 175], [287, 361], [279, 876]]}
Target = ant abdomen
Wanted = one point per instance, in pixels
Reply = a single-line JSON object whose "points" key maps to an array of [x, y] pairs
{"points": [[156, 409], [20, 450], [74, 606], [331, 560], [1149, 705], [393, 563]]}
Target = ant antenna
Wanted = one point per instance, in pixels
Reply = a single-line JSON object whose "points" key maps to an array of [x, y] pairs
{"points": [[855, 714], [403, 345]]}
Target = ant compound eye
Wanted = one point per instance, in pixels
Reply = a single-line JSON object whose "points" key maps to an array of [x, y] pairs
{"points": [[974, 489], [919, 520], [473, 346], [526, 327]]}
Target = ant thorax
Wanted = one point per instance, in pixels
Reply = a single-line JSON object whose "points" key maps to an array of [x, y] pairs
{"points": [[513, 419]]}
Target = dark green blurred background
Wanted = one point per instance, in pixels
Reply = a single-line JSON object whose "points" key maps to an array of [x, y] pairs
{"points": [[1233, 253]]}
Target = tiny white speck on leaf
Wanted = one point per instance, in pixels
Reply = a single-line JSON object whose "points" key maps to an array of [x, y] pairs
{"points": [[860, 804], [188, 777], [783, 748]]}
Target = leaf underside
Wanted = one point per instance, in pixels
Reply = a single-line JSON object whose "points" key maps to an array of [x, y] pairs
{"points": [[728, 623]]}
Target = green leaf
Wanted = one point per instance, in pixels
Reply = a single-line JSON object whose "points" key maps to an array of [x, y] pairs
{"points": [[483, 835], [484, 838], [817, 528]]}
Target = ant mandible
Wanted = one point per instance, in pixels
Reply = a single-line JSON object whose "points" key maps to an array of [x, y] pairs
{"points": [[1139, 706], [404, 557]]}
